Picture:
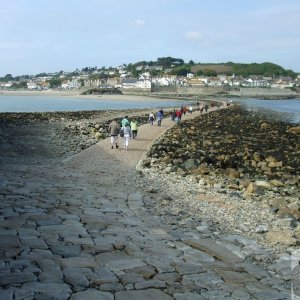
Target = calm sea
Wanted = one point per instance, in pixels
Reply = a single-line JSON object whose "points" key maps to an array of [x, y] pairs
{"points": [[48, 104], [286, 110]]}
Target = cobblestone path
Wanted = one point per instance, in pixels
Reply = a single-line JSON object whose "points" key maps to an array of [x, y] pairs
{"points": [[80, 230]]}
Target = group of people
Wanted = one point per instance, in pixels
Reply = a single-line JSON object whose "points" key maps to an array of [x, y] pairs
{"points": [[128, 130], [125, 129], [159, 117], [176, 115]]}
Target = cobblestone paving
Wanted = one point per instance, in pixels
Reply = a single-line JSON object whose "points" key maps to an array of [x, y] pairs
{"points": [[80, 230]]}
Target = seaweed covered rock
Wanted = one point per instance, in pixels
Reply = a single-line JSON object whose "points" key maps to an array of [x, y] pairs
{"points": [[231, 145]]}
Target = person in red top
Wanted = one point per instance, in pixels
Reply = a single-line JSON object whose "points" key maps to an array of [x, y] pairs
{"points": [[178, 115]]}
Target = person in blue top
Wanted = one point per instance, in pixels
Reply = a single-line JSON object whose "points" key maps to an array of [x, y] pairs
{"points": [[159, 117], [162, 113], [124, 121]]}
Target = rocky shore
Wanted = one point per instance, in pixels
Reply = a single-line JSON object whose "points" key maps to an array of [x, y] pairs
{"points": [[56, 134], [252, 161]]}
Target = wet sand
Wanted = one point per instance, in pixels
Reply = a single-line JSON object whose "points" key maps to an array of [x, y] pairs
{"points": [[75, 94]]}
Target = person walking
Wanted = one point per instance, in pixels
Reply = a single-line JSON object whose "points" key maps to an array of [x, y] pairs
{"points": [[206, 107], [124, 121], [201, 108], [113, 130], [134, 128], [173, 115], [159, 117], [162, 113], [178, 116], [127, 135], [151, 118]]}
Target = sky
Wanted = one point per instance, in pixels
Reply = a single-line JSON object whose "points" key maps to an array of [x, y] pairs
{"points": [[39, 36]]}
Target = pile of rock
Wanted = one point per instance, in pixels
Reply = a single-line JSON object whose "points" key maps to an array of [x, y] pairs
{"points": [[230, 144], [231, 152]]}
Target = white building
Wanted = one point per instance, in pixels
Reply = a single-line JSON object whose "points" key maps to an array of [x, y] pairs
{"points": [[144, 84]]}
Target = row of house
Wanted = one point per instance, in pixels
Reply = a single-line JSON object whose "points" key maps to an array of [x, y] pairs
{"points": [[146, 82]]}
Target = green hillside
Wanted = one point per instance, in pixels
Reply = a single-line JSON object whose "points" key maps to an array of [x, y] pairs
{"points": [[230, 68]]}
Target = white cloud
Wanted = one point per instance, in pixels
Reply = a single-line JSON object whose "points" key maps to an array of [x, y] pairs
{"points": [[139, 23], [193, 35]]}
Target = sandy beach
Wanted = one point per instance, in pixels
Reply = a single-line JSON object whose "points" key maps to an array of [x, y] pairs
{"points": [[76, 94]]}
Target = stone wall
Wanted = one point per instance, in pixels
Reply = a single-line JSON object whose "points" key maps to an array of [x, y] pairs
{"points": [[261, 92], [135, 90], [192, 90]]}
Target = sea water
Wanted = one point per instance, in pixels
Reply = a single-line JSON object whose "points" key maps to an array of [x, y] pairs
{"points": [[283, 110], [50, 104]]}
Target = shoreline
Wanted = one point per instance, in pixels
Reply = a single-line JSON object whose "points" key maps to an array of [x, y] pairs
{"points": [[77, 95]]}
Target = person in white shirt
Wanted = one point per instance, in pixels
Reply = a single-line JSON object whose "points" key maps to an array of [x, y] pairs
{"points": [[127, 135], [151, 118]]}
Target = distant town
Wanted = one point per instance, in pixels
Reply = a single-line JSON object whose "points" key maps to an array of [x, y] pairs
{"points": [[166, 72]]}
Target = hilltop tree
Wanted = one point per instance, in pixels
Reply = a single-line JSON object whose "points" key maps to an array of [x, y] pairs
{"points": [[132, 69], [6, 78], [41, 75], [55, 82], [167, 62], [21, 85], [209, 73], [181, 71]]}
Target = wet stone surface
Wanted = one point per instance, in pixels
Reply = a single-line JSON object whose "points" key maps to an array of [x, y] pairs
{"points": [[96, 228]]}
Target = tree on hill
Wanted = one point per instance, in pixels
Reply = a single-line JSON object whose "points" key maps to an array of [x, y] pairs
{"points": [[167, 62], [245, 70], [6, 78], [41, 75], [181, 71], [21, 85], [132, 69], [55, 82]]}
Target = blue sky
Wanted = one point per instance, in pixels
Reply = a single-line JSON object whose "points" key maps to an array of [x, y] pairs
{"points": [[48, 36]]}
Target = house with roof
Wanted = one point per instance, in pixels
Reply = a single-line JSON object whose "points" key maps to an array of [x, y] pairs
{"points": [[156, 68], [136, 85]]}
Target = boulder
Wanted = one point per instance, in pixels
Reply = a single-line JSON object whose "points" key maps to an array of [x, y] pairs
{"points": [[294, 130], [232, 173], [263, 184], [276, 183], [297, 232], [190, 164], [282, 236], [251, 188], [288, 212]]}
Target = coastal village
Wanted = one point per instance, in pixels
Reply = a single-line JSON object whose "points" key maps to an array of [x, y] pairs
{"points": [[152, 77]]}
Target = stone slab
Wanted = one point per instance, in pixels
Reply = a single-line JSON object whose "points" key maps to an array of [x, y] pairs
{"points": [[213, 249], [149, 294]]}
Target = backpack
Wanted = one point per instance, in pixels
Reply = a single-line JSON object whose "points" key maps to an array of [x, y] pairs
{"points": [[121, 132]]}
